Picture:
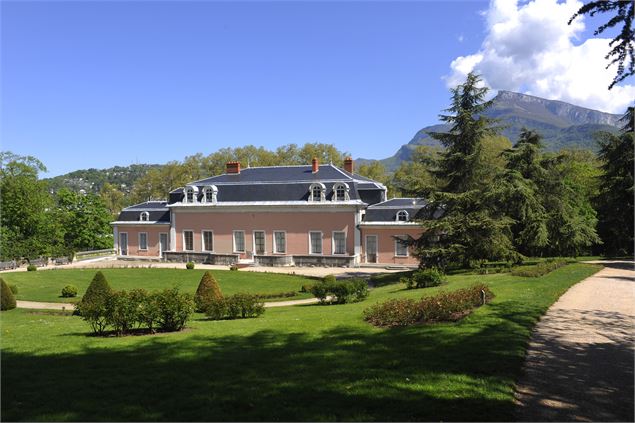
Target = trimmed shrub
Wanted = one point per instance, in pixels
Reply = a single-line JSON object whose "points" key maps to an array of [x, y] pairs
{"points": [[92, 306], [243, 306], [14, 289], [98, 290], [69, 291], [341, 292], [121, 312], [540, 269], [189, 265], [148, 308], [7, 300], [31, 268], [175, 309], [207, 291], [277, 295], [329, 279], [216, 309], [306, 287], [424, 278], [444, 306], [233, 267]]}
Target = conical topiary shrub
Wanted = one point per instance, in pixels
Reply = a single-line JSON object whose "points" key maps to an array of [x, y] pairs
{"points": [[98, 290], [8, 299], [207, 292]]}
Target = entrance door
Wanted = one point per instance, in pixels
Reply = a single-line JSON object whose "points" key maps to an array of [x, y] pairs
{"points": [[259, 242], [164, 244], [123, 243], [371, 248]]}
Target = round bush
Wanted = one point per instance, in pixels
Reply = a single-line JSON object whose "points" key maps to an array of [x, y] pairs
{"points": [[7, 297], [426, 278], [31, 268], [189, 265], [69, 291]]}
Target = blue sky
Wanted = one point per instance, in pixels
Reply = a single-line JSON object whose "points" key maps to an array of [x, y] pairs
{"points": [[97, 84]]}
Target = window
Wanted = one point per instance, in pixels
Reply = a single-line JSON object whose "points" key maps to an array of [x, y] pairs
{"points": [[315, 242], [401, 249], [402, 216], [340, 192], [190, 194], [279, 242], [144, 216], [143, 240], [209, 194], [239, 241], [339, 242], [188, 240], [259, 242], [208, 241], [317, 192]]}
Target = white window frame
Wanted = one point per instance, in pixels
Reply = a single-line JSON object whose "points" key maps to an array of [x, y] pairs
{"points": [[184, 243], [194, 190], [398, 244], [321, 243], [203, 240], [147, 243], [244, 250], [322, 192], [275, 246], [213, 190], [333, 243], [346, 189], [145, 215], [404, 212], [253, 239]]}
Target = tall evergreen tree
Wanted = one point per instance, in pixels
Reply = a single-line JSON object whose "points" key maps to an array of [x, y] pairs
{"points": [[461, 224], [615, 199]]}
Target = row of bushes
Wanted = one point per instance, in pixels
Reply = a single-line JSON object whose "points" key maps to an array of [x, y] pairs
{"points": [[425, 278], [540, 269], [333, 291], [444, 306], [167, 310]]}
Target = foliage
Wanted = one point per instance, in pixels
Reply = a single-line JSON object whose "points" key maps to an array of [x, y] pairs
{"points": [[94, 312], [306, 287], [7, 298], [122, 311], [444, 306], [233, 268], [424, 278], [375, 171], [207, 291], [69, 291], [329, 279], [31, 268], [622, 44], [615, 198], [539, 269], [288, 294], [340, 291], [189, 265], [243, 306], [98, 290], [14, 289], [416, 177], [216, 309], [174, 309]]}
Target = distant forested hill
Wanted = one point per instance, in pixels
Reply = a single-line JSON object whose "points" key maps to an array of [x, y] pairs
{"points": [[91, 180]]}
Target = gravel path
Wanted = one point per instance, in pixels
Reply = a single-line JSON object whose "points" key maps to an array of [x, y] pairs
{"points": [[579, 365]]}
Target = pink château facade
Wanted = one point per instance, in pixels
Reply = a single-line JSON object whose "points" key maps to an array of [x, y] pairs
{"points": [[283, 215]]}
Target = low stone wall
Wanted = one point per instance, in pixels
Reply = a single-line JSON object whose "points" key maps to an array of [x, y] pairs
{"points": [[274, 261], [324, 261], [203, 258]]}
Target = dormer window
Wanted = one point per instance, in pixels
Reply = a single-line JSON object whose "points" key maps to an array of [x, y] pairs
{"points": [[402, 216], [209, 194], [144, 216], [317, 192], [190, 194], [340, 192]]}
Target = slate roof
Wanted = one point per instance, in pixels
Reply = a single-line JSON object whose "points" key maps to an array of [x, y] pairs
{"points": [[284, 183], [387, 211], [157, 210]]}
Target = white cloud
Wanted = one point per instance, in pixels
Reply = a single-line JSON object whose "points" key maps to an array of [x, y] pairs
{"points": [[530, 48]]}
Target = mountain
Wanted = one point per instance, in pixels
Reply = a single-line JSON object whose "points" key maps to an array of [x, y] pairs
{"points": [[91, 180], [561, 124]]}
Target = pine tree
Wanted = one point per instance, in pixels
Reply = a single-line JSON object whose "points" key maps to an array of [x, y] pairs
{"points": [[98, 290], [207, 292], [7, 297]]}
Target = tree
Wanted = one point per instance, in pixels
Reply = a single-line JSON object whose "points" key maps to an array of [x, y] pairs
{"points": [[112, 198], [98, 290], [375, 171], [207, 292], [615, 198], [415, 177], [461, 224], [6, 296], [621, 51]]}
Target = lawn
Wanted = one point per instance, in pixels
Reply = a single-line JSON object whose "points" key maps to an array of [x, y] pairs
{"points": [[46, 285], [292, 364]]}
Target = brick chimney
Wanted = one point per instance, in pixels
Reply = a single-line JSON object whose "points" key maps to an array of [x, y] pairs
{"points": [[315, 165], [349, 165], [233, 167]]}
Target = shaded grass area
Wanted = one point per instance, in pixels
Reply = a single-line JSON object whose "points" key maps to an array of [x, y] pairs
{"points": [[47, 285], [293, 364]]}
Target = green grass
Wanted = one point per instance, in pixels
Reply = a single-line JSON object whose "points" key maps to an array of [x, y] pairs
{"points": [[46, 285], [292, 364]]}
